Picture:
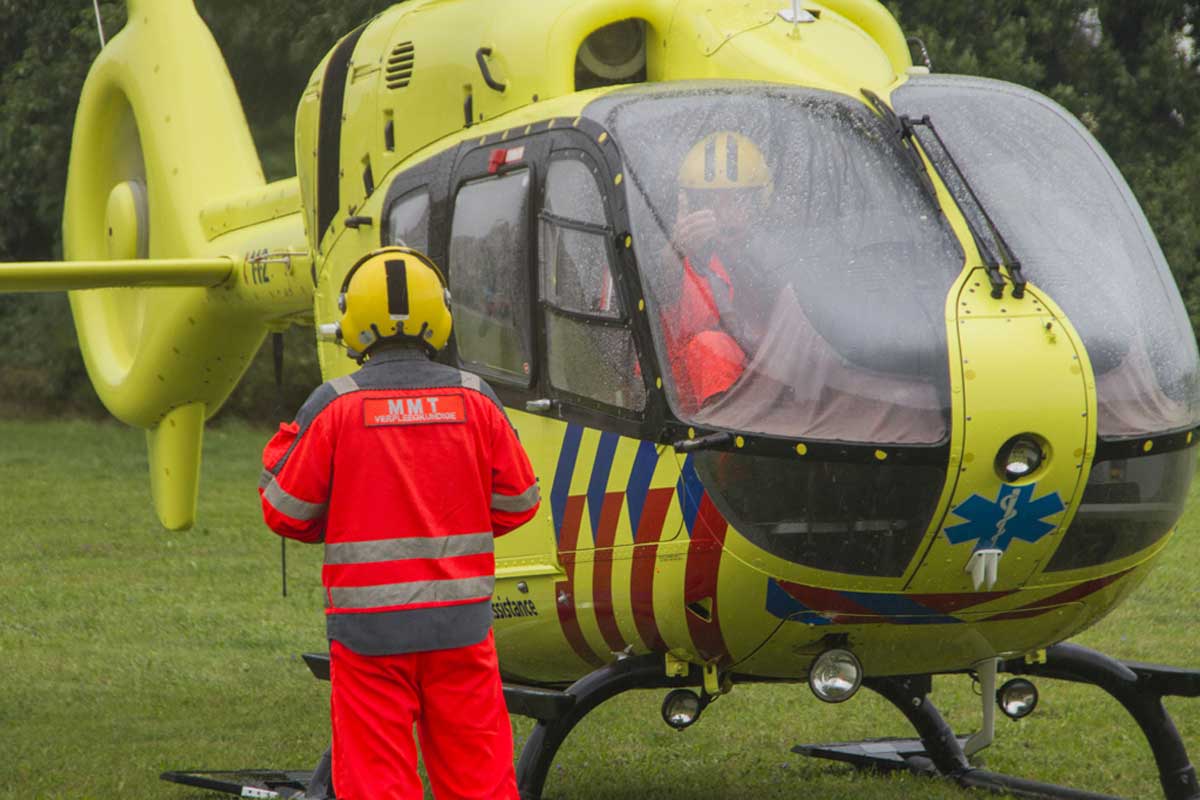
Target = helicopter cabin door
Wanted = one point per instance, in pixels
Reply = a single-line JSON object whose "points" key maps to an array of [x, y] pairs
{"points": [[542, 297], [613, 491], [489, 211]]}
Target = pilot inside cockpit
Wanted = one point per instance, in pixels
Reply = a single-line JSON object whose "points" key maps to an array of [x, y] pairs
{"points": [[749, 335], [717, 320], [799, 273]]}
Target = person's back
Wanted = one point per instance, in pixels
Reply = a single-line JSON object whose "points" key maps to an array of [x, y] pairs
{"points": [[410, 519]]}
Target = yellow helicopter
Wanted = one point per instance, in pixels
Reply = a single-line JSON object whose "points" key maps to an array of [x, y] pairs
{"points": [[832, 369]]}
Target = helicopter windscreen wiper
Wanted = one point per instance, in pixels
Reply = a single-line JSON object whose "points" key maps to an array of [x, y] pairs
{"points": [[993, 249], [902, 136]]}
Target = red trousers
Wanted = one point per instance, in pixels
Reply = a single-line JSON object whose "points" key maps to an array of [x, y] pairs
{"points": [[455, 699]]}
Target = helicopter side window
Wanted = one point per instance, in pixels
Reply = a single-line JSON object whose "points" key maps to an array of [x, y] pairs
{"points": [[589, 345], [1128, 505], [488, 279], [408, 221]]}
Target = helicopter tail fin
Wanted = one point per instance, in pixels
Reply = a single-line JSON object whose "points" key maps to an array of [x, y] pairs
{"points": [[174, 447], [163, 175]]}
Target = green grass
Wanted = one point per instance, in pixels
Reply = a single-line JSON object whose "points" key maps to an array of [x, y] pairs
{"points": [[126, 650]]}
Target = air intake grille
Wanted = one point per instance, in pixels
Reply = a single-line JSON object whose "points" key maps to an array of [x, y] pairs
{"points": [[400, 65]]}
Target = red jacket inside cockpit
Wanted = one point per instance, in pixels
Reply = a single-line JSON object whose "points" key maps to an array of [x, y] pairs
{"points": [[705, 359]]}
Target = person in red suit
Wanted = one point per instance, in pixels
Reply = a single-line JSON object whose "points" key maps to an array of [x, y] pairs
{"points": [[406, 470], [725, 186]]}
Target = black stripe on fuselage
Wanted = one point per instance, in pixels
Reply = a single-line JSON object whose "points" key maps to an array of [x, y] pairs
{"points": [[329, 132]]}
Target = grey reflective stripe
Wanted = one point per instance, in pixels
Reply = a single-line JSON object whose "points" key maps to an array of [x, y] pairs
{"points": [[465, 544], [294, 507], [344, 384], [472, 381], [520, 502], [265, 479], [317, 402], [403, 594]]}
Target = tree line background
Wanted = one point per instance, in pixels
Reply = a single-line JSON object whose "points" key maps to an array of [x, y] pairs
{"points": [[1129, 70]]}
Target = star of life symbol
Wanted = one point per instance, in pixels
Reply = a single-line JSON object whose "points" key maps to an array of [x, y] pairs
{"points": [[1014, 514]]}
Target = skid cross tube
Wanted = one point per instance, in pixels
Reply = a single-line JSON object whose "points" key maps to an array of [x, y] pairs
{"points": [[1138, 687], [943, 751], [639, 672]]}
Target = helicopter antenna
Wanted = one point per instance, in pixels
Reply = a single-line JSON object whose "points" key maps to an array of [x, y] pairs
{"points": [[99, 22], [277, 359], [918, 42]]}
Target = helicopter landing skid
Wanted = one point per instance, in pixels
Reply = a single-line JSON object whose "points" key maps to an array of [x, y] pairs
{"points": [[289, 785], [637, 672], [245, 782], [1138, 687], [889, 755]]}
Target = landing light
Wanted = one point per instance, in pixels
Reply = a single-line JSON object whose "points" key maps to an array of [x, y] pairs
{"points": [[1020, 457], [681, 708], [835, 676], [1017, 698]]}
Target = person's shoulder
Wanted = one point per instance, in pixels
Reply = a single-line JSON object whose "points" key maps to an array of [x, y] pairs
{"points": [[474, 383], [469, 381], [324, 395]]}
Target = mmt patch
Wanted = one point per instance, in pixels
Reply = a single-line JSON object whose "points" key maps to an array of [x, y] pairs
{"points": [[414, 410]]}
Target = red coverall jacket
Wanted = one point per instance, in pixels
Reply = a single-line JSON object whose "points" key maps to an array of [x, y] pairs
{"points": [[406, 470], [705, 360]]}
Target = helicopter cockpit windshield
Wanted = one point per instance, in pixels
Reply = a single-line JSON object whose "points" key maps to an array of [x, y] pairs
{"points": [[1070, 217], [795, 267]]}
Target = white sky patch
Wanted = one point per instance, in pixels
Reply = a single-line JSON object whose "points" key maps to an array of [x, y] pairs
{"points": [[1185, 43], [1090, 27]]}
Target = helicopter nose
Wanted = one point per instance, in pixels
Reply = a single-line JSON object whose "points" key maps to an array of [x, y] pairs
{"points": [[1027, 398]]}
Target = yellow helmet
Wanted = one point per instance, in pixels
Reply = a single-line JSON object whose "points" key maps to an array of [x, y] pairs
{"points": [[390, 294], [725, 160]]}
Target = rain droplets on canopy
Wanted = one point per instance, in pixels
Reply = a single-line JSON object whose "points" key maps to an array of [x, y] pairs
{"points": [[822, 298], [835, 276], [1071, 219]]}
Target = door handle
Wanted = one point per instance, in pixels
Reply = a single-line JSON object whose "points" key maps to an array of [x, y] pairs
{"points": [[481, 56]]}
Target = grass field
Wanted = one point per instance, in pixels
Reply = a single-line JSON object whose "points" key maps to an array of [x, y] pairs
{"points": [[126, 651]]}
